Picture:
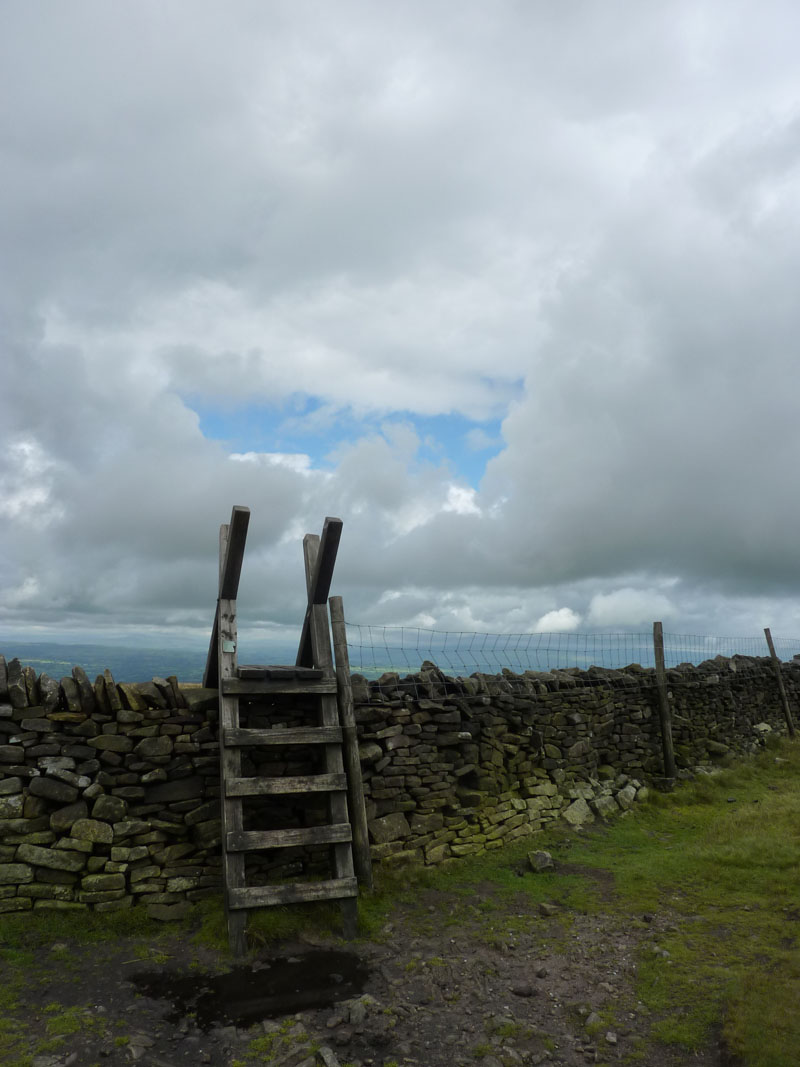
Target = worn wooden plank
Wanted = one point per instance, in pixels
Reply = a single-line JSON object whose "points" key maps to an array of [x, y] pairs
{"points": [[232, 565], [776, 666], [306, 783], [320, 561], [322, 656], [664, 710], [232, 542], [257, 840], [352, 761], [277, 688], [261, 896], [298, 735], [233, 868], [270, 672]]}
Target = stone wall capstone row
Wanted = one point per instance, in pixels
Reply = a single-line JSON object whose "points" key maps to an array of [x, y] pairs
{"points": [[109, 794]]}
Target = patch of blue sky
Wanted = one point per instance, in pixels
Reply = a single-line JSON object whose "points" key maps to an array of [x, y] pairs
{"points": [[463, 443], [305, 426], [289, 427]]}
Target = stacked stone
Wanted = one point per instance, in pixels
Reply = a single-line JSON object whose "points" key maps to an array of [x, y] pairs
{"points": [[109, 793], [720, 704], [454, 766]]}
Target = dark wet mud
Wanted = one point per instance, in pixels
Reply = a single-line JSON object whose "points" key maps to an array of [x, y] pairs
{"points": [[269, 988]]}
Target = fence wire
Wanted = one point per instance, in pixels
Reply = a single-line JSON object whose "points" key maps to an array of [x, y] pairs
{"points": [[377, 650], [695, 649]]}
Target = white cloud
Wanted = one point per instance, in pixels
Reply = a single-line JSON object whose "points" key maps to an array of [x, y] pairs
{"points": [[299, 462], [462, 500], [559, 620]]}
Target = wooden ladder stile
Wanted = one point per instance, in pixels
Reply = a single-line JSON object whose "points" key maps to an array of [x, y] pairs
{"points": [[313, 679]]}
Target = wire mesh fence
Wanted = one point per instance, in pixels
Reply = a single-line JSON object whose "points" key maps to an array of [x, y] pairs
{"points": [[376, 650], [693, 648]]}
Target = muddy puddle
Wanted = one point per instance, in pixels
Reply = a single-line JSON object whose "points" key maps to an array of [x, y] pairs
{"points": [[248, 994]]}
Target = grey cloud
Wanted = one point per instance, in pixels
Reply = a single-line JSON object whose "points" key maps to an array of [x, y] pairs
{"points": [[394, 209]]}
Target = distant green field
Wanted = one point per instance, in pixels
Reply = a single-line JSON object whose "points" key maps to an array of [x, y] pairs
{"points": [[125, 664], [137, 664]]}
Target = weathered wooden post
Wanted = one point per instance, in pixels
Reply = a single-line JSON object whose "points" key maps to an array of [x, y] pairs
{"points": [[776, 666], [355, 784], [664, 710], [240, 686], [231, 552]]}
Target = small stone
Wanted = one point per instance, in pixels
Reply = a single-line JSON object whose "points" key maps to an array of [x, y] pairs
{"points": [[389, 828], [11, 807], [15, 873], [626, 797], [51, 858], [578, 813], [109, 809], [63, 819], [523, 989], [605, 806], [111, 743], [53, 789], [548, 909], [357, 1013], [154, 746], [369, 752], [93, 830], [328, 1056], [611, 1037], [102, 883], [540, 861]]}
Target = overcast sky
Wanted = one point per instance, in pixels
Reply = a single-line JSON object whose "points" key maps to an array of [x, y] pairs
{"points": [[510, 287]]}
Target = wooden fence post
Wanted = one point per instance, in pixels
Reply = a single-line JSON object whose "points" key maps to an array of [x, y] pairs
{"points": [[776, 666], [355, 784], [664, 710]]}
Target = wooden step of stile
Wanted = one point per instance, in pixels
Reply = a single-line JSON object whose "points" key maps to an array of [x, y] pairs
{"points": [[274, 682], [313, 676], [255, 840], [239, 737], [262, 896], [306, 783], [244, 687]]}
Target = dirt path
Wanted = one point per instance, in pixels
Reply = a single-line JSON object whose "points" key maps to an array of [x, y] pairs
{"points": [[455, 980]]}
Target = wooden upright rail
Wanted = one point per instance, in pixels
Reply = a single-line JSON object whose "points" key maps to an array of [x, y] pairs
{"points": [[355, 785], [242, 689], [664, 710], [320, 555], [230, 570], [776, 666], [318, 581]]}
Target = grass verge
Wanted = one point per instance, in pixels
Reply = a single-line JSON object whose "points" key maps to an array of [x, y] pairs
{"points": [[718, 858]]}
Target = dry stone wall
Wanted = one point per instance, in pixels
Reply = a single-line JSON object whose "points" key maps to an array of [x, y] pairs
{"points": [[456, 766], [109, 793]]}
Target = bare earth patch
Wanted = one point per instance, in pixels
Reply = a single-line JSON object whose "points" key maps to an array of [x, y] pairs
{"points": [[481, 979]]}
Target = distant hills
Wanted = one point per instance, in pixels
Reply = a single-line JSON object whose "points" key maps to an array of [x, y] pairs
{"points": [[127, 664]]}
